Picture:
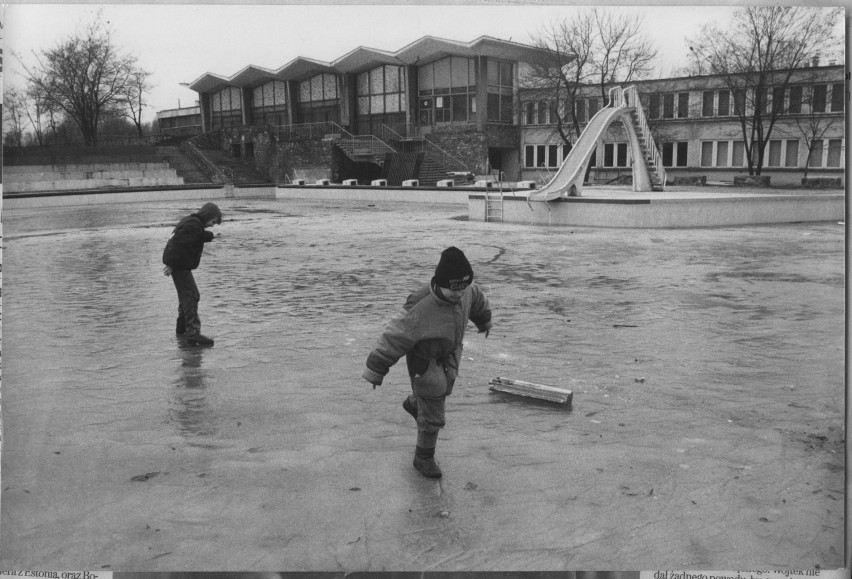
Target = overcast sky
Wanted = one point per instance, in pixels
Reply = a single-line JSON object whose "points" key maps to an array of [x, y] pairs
{"points": [[178, 43]]}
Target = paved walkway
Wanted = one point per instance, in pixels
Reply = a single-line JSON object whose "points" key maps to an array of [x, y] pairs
{"points": [[707, 368]]}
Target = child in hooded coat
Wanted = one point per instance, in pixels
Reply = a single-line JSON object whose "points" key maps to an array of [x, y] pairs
{"points": [[182, 255], [429, 333]]}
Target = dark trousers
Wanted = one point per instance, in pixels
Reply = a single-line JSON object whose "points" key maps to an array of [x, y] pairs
{"points": [[188, 298]]}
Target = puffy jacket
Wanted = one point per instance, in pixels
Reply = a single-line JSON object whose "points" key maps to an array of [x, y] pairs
{"points": [[429, 332], [183, 250]]}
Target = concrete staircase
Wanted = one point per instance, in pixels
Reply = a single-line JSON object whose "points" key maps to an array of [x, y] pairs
{"points": [[432, 170], [73, 177]]}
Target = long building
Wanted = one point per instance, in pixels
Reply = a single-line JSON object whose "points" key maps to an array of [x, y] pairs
{"points": [[437, 107]]}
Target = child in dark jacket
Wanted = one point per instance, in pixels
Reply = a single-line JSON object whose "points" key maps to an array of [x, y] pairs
{"points": [[183, 254], [429, 332]]}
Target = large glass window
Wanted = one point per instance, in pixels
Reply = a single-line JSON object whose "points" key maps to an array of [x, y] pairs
{"points": [[381, 90], [318, 99], [226, 106], [269, 103], [501, 82], [447, 90]]}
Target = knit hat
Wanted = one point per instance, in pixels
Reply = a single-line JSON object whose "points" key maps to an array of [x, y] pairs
{"points": [[210, 211], [453, 271]]}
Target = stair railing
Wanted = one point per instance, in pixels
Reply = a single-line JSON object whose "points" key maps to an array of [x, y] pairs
{"points": [[650, 145], [448, 160], [370, 144], [214, 170]]}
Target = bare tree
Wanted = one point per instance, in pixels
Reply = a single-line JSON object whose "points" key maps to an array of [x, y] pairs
{"points": [[756, 55], [84, 76], [14, 115], [594, 47], [131, 103], [812, 122]]}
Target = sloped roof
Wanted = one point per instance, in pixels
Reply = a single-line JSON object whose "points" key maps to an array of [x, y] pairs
{"points": [[363, 58], [422, 51]]}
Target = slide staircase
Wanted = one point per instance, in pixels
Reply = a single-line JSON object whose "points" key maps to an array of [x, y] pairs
{"points": [[648, 171]]}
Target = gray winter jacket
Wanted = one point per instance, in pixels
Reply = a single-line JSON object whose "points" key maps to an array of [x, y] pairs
{"points": [[429, 332]]}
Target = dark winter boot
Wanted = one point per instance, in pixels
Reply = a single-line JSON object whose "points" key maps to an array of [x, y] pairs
{"points": [[409, 407], [424, 461], [198, 340], [180, 326]]}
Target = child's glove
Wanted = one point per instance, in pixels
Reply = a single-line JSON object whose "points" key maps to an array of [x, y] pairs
{"points": [[486, 332], [167, 271], [372, 377]]}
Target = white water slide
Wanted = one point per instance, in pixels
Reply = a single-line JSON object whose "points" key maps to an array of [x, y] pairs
{"points": [[568, 180]]}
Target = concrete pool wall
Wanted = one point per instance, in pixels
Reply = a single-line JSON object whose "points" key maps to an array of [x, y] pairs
{"points": [[598, 207]]}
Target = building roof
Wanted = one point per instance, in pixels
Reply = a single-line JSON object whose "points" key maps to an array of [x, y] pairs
{"points": [[422, 51], [363, 58]]}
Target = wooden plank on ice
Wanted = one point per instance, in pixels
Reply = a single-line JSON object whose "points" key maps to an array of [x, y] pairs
{"points": [[531, 390]]}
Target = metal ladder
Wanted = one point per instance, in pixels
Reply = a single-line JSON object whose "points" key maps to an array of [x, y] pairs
{"points": [[494, 205]]}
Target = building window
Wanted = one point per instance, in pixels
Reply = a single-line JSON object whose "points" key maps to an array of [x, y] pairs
{"points": [[722, 154], [501, 83], [668, 106], [593, 107], [269, 103], [774, 157], [738, 154], [707, 154], [815, 158], [795, 104], [654, 106], [739, 101], [447, 91], [837, 98], [226, 107], [674, 154], [580, 110], [778, 100], [707, 99], [542, 156], [318, 99], [834, 153], [724, 103], [542, 112], [819, 92], [615, 155], [381, 91], [791, 155], [682, 105]]}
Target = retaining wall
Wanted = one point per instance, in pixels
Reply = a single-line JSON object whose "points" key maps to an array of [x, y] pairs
{"points": [[669, 212]]}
